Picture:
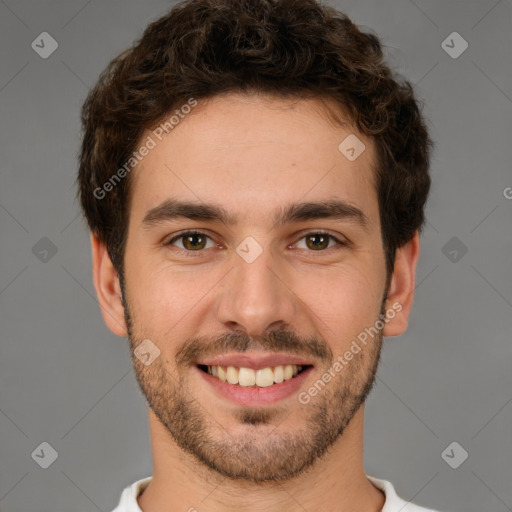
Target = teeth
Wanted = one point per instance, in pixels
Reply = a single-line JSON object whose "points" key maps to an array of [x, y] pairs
{"points": [[221, 374], [232, 375], [278, 374], [247, 377], [264, 377]]}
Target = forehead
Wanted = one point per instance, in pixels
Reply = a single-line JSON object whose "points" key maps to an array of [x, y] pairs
{"points": [[256, 154]]}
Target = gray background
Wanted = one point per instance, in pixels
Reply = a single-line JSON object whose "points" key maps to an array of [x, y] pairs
{"points": [[66, 380]]}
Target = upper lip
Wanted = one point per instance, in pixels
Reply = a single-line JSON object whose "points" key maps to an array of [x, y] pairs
{"points": [[254, 361]]}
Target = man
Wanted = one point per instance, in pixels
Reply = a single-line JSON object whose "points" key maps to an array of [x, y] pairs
{"points": [[254, 178]]}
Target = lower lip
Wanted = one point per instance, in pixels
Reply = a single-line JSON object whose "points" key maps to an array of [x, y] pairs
{"points": [[254, 396]]}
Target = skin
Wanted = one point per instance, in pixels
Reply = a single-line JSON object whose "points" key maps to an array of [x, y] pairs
{"points": [[253, 154]]}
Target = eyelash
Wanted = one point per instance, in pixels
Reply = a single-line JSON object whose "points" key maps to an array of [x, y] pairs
{"points": [[192, 255]]}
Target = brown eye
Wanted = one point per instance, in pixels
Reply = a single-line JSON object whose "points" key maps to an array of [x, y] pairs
{"points": [[319, 241], [191, 241]]}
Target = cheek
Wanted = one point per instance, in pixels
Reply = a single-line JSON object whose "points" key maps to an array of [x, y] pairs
{"points": [[344, 302], [162, 298]]}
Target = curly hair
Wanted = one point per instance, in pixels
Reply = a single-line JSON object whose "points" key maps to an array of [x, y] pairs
{"points": [[286, 48]]}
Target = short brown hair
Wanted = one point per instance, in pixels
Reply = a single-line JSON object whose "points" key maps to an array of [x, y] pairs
{"points": [[287, 48]]}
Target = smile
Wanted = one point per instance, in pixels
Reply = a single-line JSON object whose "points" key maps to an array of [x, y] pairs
{"points": [[249, 377]]}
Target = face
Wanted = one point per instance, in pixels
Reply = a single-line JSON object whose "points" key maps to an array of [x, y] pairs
{"points": [[268, 285]]}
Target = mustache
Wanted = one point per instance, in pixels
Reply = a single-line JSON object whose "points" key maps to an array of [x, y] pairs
{"points": [[275, 341]]}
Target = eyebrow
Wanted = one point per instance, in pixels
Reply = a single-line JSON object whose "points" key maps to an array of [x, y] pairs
{"points": [[172, 209]]}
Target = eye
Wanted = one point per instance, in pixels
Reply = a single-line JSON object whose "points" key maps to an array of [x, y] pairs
{"points": [[319, 241], [192, 241], [196, 241]]}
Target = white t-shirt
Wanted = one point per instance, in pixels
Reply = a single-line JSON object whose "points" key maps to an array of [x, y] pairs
{"points": [[128, 501]]}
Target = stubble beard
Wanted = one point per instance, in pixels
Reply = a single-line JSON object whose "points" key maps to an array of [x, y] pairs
{"points": [[265, 451]]}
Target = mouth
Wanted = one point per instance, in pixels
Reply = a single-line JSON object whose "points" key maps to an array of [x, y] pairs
{"points": [[253, 380], [256, 378]]}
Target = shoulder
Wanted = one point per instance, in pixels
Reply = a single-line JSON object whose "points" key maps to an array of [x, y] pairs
{"points": [[128, 500], [395, 503]]}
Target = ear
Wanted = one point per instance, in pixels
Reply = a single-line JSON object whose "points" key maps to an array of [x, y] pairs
{"points": [[401, 288], [106, 282]]}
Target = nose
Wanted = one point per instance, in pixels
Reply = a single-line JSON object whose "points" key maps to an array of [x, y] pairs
{"points": [[256, 296]]}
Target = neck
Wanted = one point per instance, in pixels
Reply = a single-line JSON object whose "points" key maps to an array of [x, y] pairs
{"points": [[336, 482]]}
